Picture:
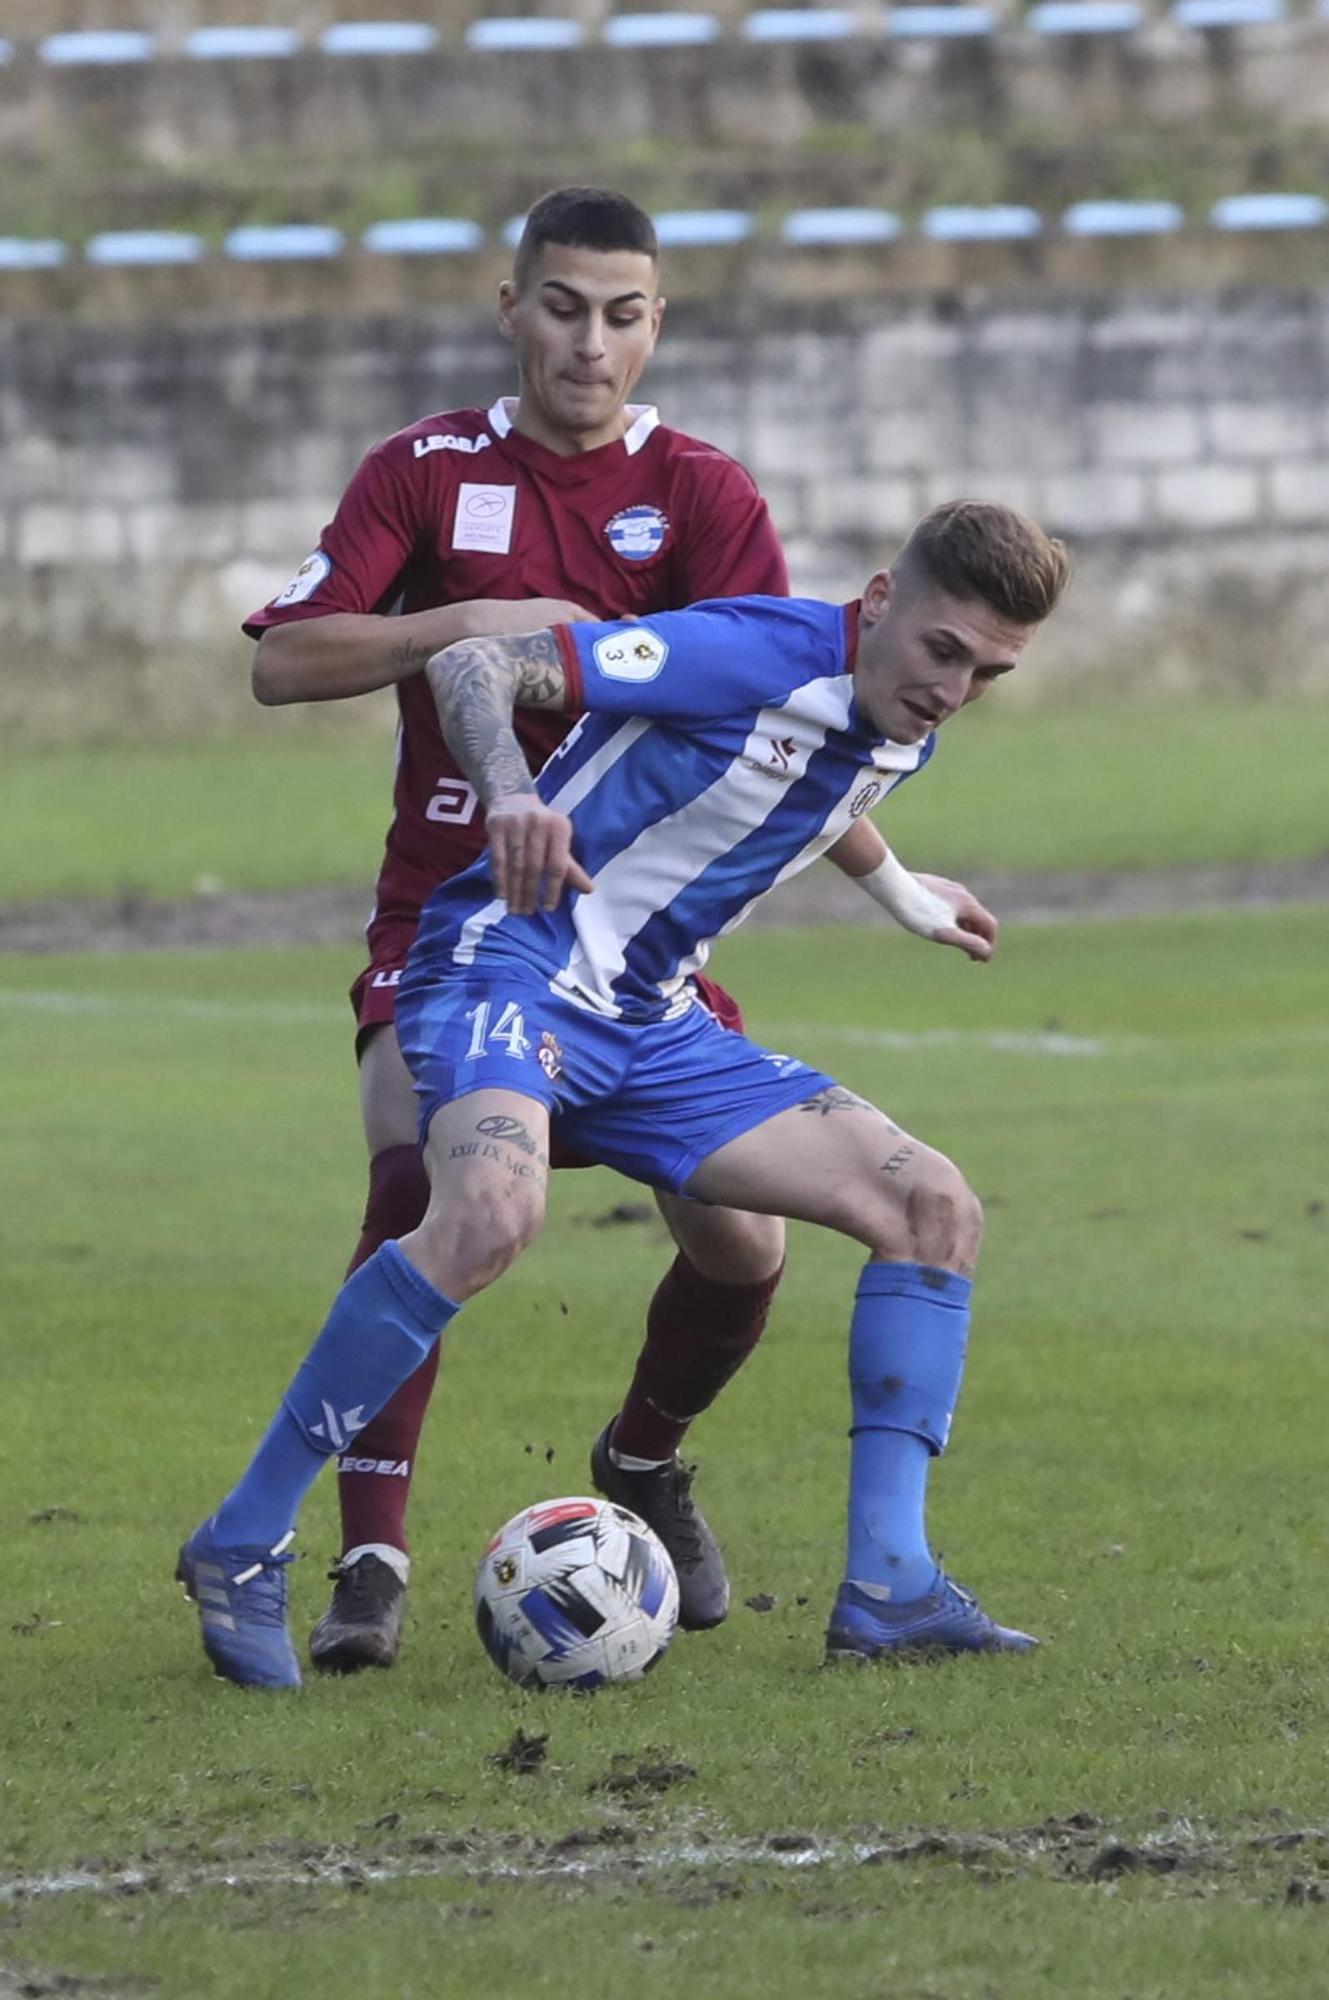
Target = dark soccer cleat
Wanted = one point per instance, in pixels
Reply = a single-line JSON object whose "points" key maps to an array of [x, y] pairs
{"points": [[362, 1625], [663, 1499], [241, 1599], [865, 1626]]}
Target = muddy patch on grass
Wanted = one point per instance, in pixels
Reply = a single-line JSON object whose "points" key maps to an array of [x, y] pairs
{"points": [[630, 1779], [523, 1754], [337, 915], [582, 1837], [1287, 1867], [16, 1983]]}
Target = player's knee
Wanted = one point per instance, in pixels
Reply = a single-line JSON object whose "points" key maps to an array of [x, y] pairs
{"points": [[742, 1249], [928, 1216], [467, 1245], [758, 1250], [944, 1218]]}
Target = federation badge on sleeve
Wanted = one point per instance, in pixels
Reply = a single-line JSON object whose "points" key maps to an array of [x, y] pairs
{"points": [[312, 573], [636, 654], [637, 533]]}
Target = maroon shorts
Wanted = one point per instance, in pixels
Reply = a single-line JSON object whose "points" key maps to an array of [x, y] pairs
{"points": [[374, 994], [374, 998]]}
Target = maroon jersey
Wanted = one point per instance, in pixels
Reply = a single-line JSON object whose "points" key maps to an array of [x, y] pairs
{"points": [[462, 506]]}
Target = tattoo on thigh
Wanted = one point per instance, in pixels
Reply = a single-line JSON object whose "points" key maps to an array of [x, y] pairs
{"points": [[835, 1098], [520, 1170], [898, 1161], [498, 1127]]}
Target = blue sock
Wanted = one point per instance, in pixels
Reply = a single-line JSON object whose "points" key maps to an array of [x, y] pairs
{"points": [[906, 1359], [383, 1323]]}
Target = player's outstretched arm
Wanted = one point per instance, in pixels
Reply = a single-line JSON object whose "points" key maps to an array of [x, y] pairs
{"points": [[929, 905], [859, 851], [347, 653], [477, 685]]}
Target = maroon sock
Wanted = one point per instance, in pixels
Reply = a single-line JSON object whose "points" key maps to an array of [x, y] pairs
{"points": [[699, 1333], [374, 1476]]}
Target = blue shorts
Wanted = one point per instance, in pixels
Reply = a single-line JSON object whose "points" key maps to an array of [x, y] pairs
{"points": [[652, 1099]]}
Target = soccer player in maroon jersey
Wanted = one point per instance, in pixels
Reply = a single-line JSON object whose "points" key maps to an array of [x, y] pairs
{"points": [[566, 500]]}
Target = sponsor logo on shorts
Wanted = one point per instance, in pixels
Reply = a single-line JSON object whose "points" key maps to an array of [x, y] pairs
{"points": [[392, 978], [313, 572], [445, 441], [637, 533], [866, 796], [635, 655], [386, 1468]]}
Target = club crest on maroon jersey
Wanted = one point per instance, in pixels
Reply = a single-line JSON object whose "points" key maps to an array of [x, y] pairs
{"points": [[637, 533]]}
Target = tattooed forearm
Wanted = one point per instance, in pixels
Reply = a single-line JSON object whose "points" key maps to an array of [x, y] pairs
{"points": [[836, 1098], [477, 684], [411, 657]]}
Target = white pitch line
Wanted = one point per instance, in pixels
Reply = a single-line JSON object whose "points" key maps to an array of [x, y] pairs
{"points": [[1052, 1042], [300, 1014], [270, 1013], [1000, 1041], [612, 1858], [607, 1859]]}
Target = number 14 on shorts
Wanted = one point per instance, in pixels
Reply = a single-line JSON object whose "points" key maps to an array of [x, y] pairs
{"points": [[507, 1029]]}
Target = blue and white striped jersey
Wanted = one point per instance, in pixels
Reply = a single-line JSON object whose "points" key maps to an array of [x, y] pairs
{"points": [[721, 752]]}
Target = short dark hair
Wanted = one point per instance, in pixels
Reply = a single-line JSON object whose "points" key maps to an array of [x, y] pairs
{"points": [[584, 218], [977, 548]]}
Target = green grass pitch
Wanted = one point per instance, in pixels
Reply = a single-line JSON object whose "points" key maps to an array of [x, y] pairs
{"points": [[1118, 785], [1137, 1474]]}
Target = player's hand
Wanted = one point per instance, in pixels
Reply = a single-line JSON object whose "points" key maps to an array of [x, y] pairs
{"points": [[975, 928], [504, 618], [530, 854]]}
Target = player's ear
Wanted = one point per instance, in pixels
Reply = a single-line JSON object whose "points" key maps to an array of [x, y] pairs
{"points": [[507, 299], [877, 592]]}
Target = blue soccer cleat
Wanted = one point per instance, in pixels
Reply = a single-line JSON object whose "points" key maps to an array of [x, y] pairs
{"points": [[241, 1599], [865, 1625]]}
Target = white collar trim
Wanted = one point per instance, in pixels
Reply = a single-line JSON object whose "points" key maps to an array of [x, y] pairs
{"points": [[644, 417]]}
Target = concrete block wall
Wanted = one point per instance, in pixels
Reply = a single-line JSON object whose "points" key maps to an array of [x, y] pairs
{"points": [[160, 483], [175, 113]]}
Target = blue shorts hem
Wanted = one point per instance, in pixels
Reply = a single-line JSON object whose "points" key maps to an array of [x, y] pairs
{"points": [[770, 1105], [439, 1099]]}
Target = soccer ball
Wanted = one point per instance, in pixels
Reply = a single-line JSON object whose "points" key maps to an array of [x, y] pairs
{"points": [[575, 1593]]}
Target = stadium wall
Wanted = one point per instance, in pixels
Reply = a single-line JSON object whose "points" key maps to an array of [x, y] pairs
{"points": [[172, 111], [161, 480]]}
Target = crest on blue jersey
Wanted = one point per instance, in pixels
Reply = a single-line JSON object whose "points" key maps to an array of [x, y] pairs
{"points": [[637, 533]]}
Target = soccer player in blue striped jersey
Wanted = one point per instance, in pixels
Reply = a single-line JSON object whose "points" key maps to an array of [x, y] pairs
{"points": [[722, 749]]}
